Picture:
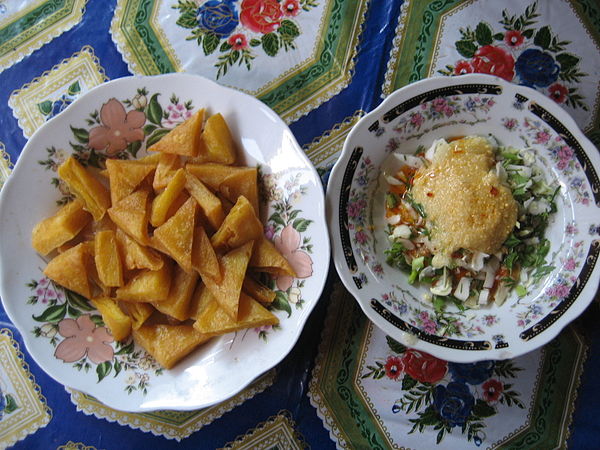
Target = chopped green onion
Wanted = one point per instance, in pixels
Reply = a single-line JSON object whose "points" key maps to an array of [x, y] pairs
{"points": [[416, 266], [391, 200], [521, 291]]}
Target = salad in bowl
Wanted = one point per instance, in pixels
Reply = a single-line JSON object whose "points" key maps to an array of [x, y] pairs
{"points": [[468, 219], [464, 217]]}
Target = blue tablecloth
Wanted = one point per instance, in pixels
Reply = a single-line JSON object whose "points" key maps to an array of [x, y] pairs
{"points": [[363, 50]]}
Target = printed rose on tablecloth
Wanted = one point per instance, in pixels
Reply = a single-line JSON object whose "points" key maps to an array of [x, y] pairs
{"points": [[445, 396], [494, 61], [261, 16], [454, 403], [423, 367], [218, 17], [237, 29], [521, 51]]}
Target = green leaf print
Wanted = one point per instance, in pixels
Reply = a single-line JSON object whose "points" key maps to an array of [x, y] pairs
{"points": [[484, 34], [81, 134], [187, 19], [11, 404], [543, 37], [45, 107], [408, 383], [482, 409], [52, 314], [395, 346], [156, 136], [210, 43], [270, 43], [281, 303], [74, 89], [466, 48], [155, 111], [567, 61], [288, 29], [103, 369]]}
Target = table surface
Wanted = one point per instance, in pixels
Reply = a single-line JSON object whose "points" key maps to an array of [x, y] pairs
{"points": [[321, 65]]}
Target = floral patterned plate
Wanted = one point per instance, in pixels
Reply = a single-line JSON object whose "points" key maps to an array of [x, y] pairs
{"points": [[63, 332], [471, 104]]}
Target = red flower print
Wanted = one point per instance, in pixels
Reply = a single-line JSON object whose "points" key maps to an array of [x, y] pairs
{"points": [[288, 243], [495, 61], [393, 367], [261, 16], [423, 367], [513, 38], [558, 92], [290, 7], [83, 337], [463, 67], [238, 41], [118, 128], [492, 389]]}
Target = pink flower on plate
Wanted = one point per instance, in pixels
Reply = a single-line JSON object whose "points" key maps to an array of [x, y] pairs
{"points": [[542, 137], [118, 128], [570, 264], [288, 243], [83, 338], [417, 119]]}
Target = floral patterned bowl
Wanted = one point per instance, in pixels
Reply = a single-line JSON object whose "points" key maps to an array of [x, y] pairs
{"points": [[63, 332], [471, 104]]}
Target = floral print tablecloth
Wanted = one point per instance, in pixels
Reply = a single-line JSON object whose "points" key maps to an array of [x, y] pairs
{"points": [[321, 65]]}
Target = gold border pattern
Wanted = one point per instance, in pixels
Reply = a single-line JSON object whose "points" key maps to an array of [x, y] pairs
{"points": [[75, 446], [317, 398], [176, 425], [31, 411], [393, 60], [83, 66], [53, 29], [277, 432], [141, 63], [6, 165], [325, 149]]}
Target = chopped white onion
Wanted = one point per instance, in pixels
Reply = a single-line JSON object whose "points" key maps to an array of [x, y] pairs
{"points": [[463, 288], [484, 296], [408, 245], [490, 269], [402, 232], [392, 180], [393, 220], [539, 206], [501, 294]]}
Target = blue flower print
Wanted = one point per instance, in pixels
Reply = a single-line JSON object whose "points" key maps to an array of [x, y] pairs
{"points": [[536, 68], [453, 403], [473, 373], [60, 105], [218, 17]]}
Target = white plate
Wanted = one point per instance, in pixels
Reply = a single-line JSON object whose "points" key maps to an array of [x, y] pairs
{"points": [[125, 378], [444, 107]]}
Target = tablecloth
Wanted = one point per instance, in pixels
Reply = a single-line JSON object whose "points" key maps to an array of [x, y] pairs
{"points": [[321, 65]]}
